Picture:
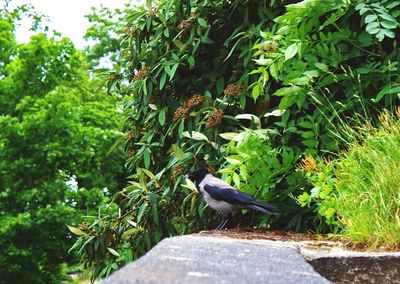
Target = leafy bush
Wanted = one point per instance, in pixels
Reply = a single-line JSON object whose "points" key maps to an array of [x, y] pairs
{"points": [[321, 62], [191, 72], [358, 192], [257, 168]]}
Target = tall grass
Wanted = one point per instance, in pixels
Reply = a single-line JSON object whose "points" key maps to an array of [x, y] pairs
{"points": [[368, 184]]}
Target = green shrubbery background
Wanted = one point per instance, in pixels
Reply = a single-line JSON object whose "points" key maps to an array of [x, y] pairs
{"points": [[250, 89], [280, 98]]}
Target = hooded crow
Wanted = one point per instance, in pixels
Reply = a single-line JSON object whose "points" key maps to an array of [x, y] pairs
{"points": [[223, 198]]}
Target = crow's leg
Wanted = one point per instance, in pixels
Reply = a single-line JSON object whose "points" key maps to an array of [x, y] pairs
{"points": [[222, 224]]}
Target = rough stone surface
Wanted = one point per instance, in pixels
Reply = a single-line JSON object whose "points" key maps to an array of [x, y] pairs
{"points": [[195, 259], [341, 266]]}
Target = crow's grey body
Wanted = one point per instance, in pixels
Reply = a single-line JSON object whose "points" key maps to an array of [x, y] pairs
{"points": [[218, 205], [223, 198]]}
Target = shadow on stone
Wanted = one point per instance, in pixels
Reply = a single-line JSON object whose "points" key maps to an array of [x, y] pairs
{"points": [[358, 269]]}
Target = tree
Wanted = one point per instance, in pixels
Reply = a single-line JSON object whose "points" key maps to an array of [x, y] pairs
{"points": [[56, 132]]}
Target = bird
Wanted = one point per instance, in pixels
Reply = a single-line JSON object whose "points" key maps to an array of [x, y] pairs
{"points": [[223, 198]]}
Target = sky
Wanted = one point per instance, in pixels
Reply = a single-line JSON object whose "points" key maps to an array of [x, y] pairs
{"points": [[66, 16]]}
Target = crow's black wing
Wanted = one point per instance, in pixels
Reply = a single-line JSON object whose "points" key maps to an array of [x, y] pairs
{"points": [[228, 194], [233, 196]]}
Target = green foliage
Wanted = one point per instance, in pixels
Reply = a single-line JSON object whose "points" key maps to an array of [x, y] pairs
{"points": [[257, 168], [54, 167], [380, 17], [362, 184], [325, 57], [193, 74], [103, 34], [323, 193], [183, 73]]}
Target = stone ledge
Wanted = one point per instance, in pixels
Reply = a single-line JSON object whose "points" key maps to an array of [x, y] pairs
{"points": [[218, 258], [198, 259]]}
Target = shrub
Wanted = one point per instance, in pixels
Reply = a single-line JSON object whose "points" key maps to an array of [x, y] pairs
{"points": [[359, 192], [191, 71]]}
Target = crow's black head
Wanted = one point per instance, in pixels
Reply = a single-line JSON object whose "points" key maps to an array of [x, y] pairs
{"points": [[198, 175]]}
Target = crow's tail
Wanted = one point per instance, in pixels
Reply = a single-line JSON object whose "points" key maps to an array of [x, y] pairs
{"points": [[263, 207]]}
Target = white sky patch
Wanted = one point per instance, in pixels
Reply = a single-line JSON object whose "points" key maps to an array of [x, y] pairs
{"points": [[66, 16]]}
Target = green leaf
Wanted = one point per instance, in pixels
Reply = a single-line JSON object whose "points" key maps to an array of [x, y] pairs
{"points": [[179, 44], [370, 18], [389, 24], [273, 70], [389, 34], [228, 135], [387, 90], [195, 135], [256, 91], [387, 17], [202, 22], [322, 66], [190, 185], [264, 61], [112, 251], [233, 161], [288, 91], [309, 143], [161, 116], [249, 116], [146, 158], [173, 70], [129, 233], [134, 224], [154, 214], [291, 51], [149, 174], [76, 231], [373, 28], [179, 153], [141, 211], [236, 180], [277, 112], [153, 106], [191, 61], [162, 80]]}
